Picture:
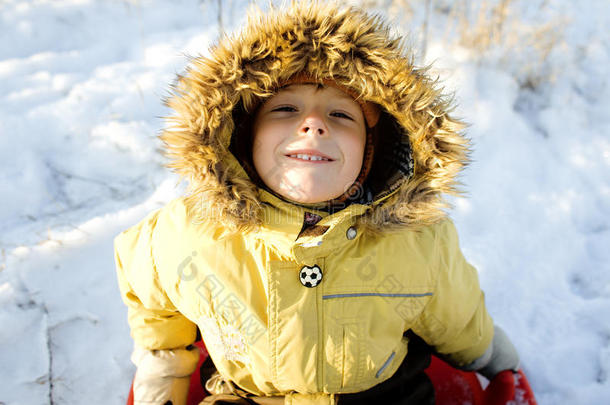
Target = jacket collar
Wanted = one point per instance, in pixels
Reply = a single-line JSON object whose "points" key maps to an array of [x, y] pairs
{"points": [[283, 222]]}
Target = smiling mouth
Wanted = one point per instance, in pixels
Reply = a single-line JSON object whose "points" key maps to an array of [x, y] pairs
{"points": [[308, 156], [313, 158]]}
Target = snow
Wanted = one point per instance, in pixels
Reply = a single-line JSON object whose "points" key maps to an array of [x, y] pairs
{"points": [[81, 83]]}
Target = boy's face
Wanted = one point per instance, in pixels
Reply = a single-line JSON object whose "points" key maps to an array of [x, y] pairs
{"points": [[309, 142]]}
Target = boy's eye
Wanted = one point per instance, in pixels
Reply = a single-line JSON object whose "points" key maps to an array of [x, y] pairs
{"points": [[341, 115], [284, 108]]}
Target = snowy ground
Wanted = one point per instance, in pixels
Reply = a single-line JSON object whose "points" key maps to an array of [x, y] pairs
{"points": [[80, 89]]}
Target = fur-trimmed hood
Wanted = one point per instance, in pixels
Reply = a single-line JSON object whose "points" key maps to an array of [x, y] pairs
{"points": [[357, 51]]}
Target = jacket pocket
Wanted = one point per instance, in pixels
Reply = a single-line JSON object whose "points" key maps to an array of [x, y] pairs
{"points": [[363, 328]]}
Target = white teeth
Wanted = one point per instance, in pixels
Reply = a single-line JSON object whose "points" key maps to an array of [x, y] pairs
{"points": [[303, 156]]}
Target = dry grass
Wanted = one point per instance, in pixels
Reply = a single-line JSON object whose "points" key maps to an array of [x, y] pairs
{"points": [[497, 33], [494, 30]]}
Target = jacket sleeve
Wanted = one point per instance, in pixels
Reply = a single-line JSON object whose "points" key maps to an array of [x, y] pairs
{"points": [[455, 321], [154, 320], [161, 334]]}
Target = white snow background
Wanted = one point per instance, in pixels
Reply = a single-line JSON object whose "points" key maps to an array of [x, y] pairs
{"points": [[81, 83]]}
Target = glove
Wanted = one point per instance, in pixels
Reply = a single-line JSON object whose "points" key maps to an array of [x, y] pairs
{"points": [[500, 365], [500, 355], [163, 376]]}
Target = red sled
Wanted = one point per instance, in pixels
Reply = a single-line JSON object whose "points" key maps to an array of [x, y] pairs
{"points": [[451, 386]]}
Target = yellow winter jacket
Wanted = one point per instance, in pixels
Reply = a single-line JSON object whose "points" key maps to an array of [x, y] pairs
{"points": [[268, 332], [230, 258]]}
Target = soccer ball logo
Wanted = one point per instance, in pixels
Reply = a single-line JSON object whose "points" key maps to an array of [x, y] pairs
{"points": [[310, 276]]}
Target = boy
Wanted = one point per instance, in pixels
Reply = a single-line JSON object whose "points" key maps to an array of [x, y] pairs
{"points": [[312, 252]]}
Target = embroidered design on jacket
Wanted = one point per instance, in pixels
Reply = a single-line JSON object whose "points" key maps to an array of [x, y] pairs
{"points": [[224, 339]]}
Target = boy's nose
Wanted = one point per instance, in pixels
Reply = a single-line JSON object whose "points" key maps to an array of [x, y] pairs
{"points": [[313, 126]]}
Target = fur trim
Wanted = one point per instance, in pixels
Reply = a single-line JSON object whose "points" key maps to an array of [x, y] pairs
{"points": [[346, 45]]}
